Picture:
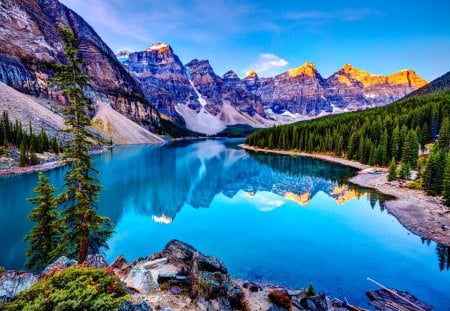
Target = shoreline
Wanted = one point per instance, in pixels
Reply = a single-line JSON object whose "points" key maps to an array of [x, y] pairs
{"points": [[418, 212], [42, 167]]}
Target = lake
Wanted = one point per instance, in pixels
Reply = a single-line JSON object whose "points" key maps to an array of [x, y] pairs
{"points": [[270, 218]]}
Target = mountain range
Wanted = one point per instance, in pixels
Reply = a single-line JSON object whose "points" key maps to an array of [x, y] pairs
{"points": [[137, 94], [194, 94]]}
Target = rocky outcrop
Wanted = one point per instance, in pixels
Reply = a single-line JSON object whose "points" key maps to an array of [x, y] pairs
{"points": [[12, 283], [30, 45]]}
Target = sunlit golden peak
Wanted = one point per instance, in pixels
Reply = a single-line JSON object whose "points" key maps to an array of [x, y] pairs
{"points": [[307, 69], [252, 74], [160, 47]]}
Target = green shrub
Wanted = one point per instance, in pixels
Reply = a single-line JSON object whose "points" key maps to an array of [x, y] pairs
{"points": [[415, 185], [310, 291], [2, 269], [76, 288]]}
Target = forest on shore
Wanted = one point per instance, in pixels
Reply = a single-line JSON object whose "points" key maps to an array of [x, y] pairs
{"points": [[391, 135]]}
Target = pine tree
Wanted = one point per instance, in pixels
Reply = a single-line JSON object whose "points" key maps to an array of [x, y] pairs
{"points": [[405, 170], [446, 182], [23, 159], [434, 171], [45, 237], [444, 134], [392, 175], [87, 232]]}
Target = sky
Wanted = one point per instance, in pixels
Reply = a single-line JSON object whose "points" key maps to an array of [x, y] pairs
{"points": [[269, 36]]}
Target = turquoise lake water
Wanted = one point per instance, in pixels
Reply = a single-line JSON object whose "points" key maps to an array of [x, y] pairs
{"points": [[270, 218]]}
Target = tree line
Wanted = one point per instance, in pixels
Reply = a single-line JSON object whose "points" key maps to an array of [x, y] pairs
{"points": [[29, 143], [379, 136]]}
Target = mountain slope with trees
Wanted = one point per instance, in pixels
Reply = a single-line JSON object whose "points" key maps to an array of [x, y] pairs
{"points": [[376, 136]]}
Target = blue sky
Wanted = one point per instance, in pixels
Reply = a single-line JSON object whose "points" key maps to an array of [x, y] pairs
{"points": [[272, 36]]}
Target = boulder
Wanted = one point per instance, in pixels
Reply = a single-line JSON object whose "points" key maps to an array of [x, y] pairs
{"points": [[12, 283], [96, 261], [135, 306], [61, 263], [182, 255], [140, 279], [179, 254]]}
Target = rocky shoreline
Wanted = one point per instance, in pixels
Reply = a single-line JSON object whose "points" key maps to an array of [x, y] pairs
{"points": [[182, 278], [16, 170], [420, 213]]}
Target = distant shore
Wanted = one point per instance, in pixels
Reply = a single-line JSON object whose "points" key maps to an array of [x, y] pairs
{"points": [[42, 167], [420, 213]]}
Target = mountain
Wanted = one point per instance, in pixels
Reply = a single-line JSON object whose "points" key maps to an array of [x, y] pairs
{"points": [[30, 46], [440, 84], [193, 95], [302, 92]]}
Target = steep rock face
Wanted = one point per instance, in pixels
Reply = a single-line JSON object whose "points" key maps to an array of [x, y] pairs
{"points": [[193, 94], [226, 89], [351, 88], [162, 78], [30, 44], [298, 91]]}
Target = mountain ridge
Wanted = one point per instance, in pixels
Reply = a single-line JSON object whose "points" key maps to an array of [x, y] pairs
{"points": [[193, 92], [30, 46]]}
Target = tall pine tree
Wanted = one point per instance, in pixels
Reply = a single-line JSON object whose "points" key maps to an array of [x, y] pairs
{"points": [[45, 237], [392, 175], [446, 182], [87, 232]]}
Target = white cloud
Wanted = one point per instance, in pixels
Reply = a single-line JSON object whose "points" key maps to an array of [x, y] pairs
{"points": [[345, 15], [266, 64]]}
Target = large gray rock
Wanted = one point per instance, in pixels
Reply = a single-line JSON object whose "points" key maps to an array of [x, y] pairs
{"points": [[135, 306], [61, 263], [140, 279], [183, 255], [96, 261], [12, 283]]}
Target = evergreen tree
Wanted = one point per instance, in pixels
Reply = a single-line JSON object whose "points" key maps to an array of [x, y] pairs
{"points": [[87, 232], [392, 175], [44, 238], [405, 170], [434, 171], [23, 158], [444, 134], [446, 182]]}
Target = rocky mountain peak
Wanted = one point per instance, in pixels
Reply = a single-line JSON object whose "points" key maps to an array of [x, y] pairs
{"points": [[307, 69], [159, 46], [407, 77], [230, 75], [252, 74]]}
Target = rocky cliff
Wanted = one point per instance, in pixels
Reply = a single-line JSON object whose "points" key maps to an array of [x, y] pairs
{"points": [[30, 45]]}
